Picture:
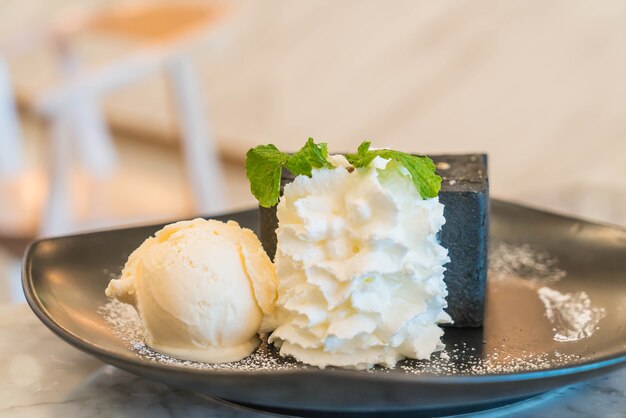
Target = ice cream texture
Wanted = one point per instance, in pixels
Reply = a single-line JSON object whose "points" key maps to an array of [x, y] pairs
{"points": [[360, 268], [202, 289]]}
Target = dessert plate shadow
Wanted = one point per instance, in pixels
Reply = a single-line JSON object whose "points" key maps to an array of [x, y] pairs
{"points": [[64, 280]]}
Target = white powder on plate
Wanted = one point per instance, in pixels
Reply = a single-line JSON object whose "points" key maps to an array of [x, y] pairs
{"points": [[463, 360], [126, 325], [509, 260], [571, 314], [458, 359]]}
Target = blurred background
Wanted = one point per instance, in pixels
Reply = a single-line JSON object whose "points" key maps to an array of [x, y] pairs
{"points": [[123, 112]]}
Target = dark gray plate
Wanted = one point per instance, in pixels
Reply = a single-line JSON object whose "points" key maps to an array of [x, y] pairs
{"points": [[64, 280]]}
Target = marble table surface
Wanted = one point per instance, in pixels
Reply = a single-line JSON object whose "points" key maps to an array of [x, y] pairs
{"points": [[42, 376]]}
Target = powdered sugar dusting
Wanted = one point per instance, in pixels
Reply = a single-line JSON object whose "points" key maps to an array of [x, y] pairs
{"points": [[461, 359], [458, 359], [123, 320], [509, 260], [126, 325], [571, 314]]}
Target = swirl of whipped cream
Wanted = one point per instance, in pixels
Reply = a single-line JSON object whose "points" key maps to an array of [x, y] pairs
{"points": [[360, 270]]}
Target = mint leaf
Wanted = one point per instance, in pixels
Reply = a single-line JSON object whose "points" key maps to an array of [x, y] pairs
{"points": [[310, 156], [421, 168], [264, 166], [363, 156]]}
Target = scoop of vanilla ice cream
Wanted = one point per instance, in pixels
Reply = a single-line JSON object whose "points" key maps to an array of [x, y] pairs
{"points": [[201, 288], [360, 269]]}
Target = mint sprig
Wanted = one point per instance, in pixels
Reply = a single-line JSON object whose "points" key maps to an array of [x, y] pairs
{"points": [[310, 156], [264, 165], [421, 168]]}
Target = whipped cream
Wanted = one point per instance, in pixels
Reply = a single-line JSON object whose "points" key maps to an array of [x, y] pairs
{"points": [[360, 270], [201, 288]]}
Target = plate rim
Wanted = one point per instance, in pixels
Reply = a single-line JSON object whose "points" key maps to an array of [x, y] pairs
{"points": [[102, 353]]}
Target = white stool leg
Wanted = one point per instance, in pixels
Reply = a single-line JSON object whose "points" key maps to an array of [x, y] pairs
{"points": [[92, 138], [201, 159], [78, 124], [89, 129], [11, 153], [58, 211]]}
